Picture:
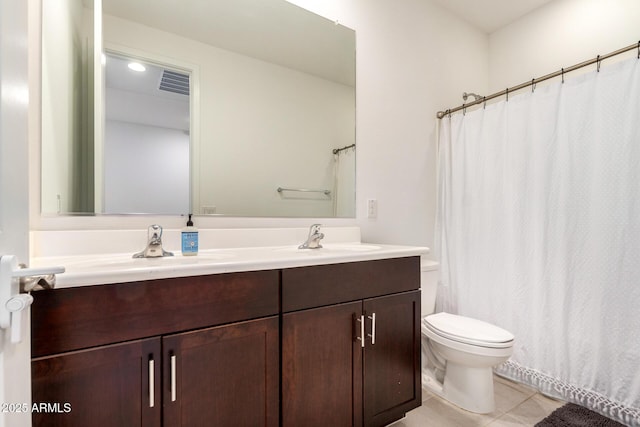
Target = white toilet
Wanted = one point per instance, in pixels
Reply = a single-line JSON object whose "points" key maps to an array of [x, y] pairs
{"points": [[459, 353]]}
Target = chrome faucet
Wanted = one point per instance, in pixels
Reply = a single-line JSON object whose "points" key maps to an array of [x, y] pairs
{"points": [[313, 240], [154, 244]]}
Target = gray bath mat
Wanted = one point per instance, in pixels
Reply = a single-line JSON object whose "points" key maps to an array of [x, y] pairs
{"points": [[572, 415]]}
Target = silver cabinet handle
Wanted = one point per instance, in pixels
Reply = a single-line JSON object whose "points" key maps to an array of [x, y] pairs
{"points": [[173, 378], [373, 328], [152, 397], [361, 337]]}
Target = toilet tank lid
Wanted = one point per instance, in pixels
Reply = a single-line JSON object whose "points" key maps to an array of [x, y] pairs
{"points": [[453, 325], [429, 265]]}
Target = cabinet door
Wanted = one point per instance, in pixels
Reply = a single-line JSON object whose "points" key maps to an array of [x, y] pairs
{"points": [[222, 376], [322, 367], [392, 384], [115, 386]]}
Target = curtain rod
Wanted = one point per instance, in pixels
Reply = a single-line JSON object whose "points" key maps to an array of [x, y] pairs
{"points": [[337, 150], [532, 82]]}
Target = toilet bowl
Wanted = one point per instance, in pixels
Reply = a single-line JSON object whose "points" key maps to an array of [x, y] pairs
{"points": [[459, 353]]}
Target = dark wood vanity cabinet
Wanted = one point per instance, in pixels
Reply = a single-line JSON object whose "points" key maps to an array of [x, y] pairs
{"points": [[329, 377], [184, 374], [224, 376], [264, 348], [221, 376], [105, 386], [391, 367], [321, 366]]}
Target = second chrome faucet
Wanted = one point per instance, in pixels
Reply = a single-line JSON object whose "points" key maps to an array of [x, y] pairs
{"points": [[313, 240]]}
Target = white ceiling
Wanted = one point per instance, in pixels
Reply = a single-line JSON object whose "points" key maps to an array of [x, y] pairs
{"points": [[491, 15]]}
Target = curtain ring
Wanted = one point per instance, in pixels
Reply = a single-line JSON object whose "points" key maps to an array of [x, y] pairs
{"points": [[598, 63], [484, 105], [507, 94], [464, 110], [562, 71], [638, 49], [533, 85]]}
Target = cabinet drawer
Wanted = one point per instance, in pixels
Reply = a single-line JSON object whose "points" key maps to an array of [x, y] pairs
{"points": [[315, 286], [76, 318]]}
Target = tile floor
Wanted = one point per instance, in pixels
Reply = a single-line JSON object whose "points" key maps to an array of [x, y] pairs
{"points": [[516, 405]]}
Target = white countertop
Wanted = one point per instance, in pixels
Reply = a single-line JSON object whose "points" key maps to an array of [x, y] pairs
{"points": [[97, 269]]}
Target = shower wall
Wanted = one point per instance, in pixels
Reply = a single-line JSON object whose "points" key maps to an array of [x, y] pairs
{"points": [[560, 34]]}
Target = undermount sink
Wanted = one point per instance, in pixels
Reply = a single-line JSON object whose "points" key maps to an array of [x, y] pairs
{"points": [[125, 261], [177, 259], [351, 247], [359, 247]]}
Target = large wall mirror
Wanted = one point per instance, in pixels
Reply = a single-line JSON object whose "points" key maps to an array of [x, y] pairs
{"points": [[219, 107]]}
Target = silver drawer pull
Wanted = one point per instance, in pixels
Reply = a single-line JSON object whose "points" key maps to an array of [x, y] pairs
{"points": [[173, 378], [373, 328], [152, 397], [361, 337]]}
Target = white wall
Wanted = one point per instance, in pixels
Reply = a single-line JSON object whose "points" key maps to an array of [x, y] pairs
{"points": [[413, 59], [558, 35]]}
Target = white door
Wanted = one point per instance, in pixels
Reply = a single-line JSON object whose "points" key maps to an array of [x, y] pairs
{"points": [[15, 372]]}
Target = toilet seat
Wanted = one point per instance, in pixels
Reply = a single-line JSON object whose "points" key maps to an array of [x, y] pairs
{"points": [[468, 331], [468, 349]]}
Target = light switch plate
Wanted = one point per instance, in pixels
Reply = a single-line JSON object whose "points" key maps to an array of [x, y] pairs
{"points": [[372, 208]]}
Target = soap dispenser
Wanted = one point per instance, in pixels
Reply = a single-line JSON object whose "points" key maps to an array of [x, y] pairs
{"points": [[189, 239]]}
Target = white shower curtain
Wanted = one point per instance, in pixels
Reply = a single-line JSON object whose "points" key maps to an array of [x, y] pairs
{"points": [[344, 183], [539, 233]]}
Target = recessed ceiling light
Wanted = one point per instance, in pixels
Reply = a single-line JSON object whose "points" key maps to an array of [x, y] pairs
{"points": [[136, 66]]}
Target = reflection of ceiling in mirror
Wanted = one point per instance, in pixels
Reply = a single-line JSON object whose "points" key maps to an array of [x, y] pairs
{"points": [[119, 76], [262, 29], [136, 97]]}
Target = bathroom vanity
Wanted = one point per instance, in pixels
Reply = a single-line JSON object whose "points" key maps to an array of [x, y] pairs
{"points": [[313, 340], [184, 351], [351, 342]]}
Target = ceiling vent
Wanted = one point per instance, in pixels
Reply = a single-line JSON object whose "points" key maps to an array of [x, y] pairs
{"points": [[174, 82]]}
